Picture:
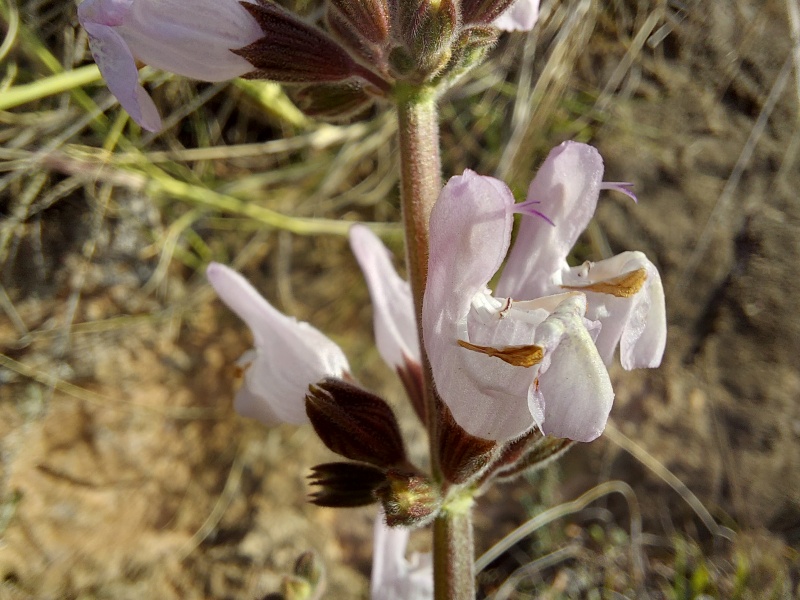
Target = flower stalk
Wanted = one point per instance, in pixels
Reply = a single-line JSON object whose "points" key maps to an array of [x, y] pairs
{"points": [[420, 184]]}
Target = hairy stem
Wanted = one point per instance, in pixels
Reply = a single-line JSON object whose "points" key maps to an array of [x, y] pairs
{"points": [[421, 182], [453, 556]]}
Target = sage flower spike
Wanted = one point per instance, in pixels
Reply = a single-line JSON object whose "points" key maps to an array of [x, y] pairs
{"points": [[193, 38], [289, 355], [393, 576], [520, 16], [505, 365], [394, 322], [624, 293]]}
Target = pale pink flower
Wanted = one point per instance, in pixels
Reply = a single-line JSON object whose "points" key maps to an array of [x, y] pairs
{"points": [[393, 309], [393, 576], [289, 355], [193, 38], [520, 16], [502, 365]]}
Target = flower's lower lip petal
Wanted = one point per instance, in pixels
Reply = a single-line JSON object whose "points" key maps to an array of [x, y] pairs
{"points": [[249, 404], [574, 384], [118, 67], [647, 349]]}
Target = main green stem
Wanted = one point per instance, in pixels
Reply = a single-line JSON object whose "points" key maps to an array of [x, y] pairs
{"points": [[420, 184]]}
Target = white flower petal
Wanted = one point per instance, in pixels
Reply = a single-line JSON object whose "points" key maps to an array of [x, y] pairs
{"points": [[574, 394], [470, 231], [118, 68], [520, 16], [394, 577], [289, 355], [392, 304], [191, 38], [567, 185], [636, 323]]}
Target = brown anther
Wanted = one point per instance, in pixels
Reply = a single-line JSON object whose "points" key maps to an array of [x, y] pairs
{"points": [[506, 308], [623, 286], [519, 356]]}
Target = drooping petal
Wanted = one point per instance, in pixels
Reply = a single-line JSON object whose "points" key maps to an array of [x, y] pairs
{"points": [[188, 37], [393, 307], [394, 577], [470, 232], [289, 355], [567, 185], [521, 16], [626, 295], [574, 395], [118, 68]]}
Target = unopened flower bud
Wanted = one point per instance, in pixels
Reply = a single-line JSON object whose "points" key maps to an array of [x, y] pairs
{"points": [[308, 566], [293, 51], [344, 485], [334, 102], [355, 423], [428, 28], [409, 499]]}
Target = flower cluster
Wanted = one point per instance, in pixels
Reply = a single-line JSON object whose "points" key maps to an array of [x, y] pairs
{"points": [[336, 74], [531, 356]]}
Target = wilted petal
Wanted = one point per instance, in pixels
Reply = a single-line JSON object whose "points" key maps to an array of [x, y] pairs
{"points": [[393, 307], [626, 295], [394, 577], [118, 68], [289, 355], [521, 16], [574, 395], [567, 185]]}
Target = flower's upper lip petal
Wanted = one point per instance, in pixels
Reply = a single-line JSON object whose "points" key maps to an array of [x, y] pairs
{"points": [[290, 355], [470, 231], [568, 185], [243, 299], [520, 16], [394, 321], [118, 67], [166, 34]]}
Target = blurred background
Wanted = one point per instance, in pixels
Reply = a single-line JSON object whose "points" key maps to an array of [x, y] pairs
{"points": [[125, 471]]}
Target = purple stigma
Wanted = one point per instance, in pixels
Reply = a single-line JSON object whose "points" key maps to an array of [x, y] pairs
{"points": [[526, 208], [625, 187]]}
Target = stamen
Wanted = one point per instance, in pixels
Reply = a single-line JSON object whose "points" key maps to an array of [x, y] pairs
{"points": [[624, 286], [624, 187], [518, 356], [526, 208]]}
